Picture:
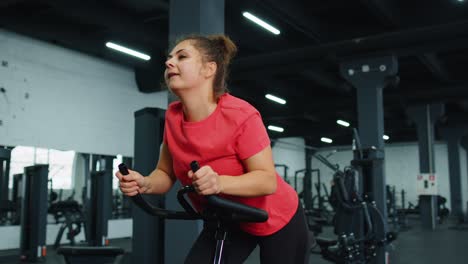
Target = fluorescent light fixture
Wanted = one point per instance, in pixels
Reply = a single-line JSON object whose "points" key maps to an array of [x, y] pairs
{"points": [[342, 123], [326, 140], [275, 128], [275, 99], [128, 51], [261, 23], [385, 137]]}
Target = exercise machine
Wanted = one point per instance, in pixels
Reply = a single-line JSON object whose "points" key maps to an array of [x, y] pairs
{"points": [[70, 214], [316, 214], [358, 223], [220, 211], [285, 173], [97, 202]]}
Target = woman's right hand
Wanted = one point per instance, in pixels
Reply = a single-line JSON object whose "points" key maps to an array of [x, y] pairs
{"points": [[132, 184]]}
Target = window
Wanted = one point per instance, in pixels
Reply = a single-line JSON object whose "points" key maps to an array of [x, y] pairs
{"points": [[60, 164], [115, 182]]}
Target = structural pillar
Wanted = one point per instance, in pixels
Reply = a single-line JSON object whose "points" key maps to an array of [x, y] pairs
{"points": [[425, 117], [5, 154], [307, 186], [188, 17], [194, 17], [369, 77], [148, 231], [453, 136], [464, 144]]}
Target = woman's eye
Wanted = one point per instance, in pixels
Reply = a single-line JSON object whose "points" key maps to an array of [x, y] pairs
{"points": [[182, 57]]}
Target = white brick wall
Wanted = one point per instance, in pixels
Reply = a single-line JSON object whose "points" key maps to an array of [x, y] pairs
{"points": [[62, 99]]}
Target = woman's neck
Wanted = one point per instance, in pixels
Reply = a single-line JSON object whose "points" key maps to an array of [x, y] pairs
{"points": [[198, 106]]}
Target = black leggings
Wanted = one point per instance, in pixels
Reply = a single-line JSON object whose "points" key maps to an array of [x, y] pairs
{"points": [[289, 245]]}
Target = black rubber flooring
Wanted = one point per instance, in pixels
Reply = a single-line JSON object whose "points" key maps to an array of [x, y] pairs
{"points": [[414, 246]]}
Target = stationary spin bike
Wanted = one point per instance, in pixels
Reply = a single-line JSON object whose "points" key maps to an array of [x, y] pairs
{"points": [[221, 211]]}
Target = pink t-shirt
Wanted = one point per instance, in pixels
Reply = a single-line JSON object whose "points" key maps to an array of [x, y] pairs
{"points": [[232, 133]]}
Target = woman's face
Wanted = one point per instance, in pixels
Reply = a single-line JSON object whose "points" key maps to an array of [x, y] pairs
{"points": [[184, 67]]}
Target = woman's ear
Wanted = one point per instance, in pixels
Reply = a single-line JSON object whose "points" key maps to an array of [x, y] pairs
{"points": [[210, 69]]}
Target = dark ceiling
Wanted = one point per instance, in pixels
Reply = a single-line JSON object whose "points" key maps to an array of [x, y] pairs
{"points": [[301, 65]]}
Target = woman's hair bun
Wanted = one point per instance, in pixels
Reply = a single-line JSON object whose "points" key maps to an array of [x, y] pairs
{"points": [[227, 45]]}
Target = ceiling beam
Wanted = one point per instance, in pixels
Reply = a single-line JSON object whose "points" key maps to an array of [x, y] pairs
{"points": [[327, 80], [7, 3], [388, 15], [404, 43], [111, 18], [384, 11], [67, 37], [429, 94], [301, 21], [435, 66], [147, 4], [311, 73]]}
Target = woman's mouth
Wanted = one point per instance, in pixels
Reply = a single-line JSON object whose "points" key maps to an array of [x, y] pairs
{"points": [[169, 75]]}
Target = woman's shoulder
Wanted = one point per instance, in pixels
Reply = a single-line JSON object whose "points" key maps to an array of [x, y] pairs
{"points": [[173, 111], [230, 102], [235, 110], [173, 107]]}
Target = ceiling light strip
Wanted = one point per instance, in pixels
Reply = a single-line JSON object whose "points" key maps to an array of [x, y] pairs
{"points": [[342, 123], [275, 99], [128, 51], [275, 128], [261, 23]]}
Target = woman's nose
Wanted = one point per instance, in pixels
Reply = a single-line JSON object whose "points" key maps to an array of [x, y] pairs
{"points": [[169, 63]]}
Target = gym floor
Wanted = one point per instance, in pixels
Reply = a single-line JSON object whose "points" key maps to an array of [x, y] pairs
{"points": [[444, 245]]}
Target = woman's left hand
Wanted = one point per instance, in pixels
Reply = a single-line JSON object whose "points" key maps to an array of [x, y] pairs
{"points": [[205, 181]]}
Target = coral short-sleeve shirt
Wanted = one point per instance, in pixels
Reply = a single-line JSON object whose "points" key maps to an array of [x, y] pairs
{"points": [[232, 133]]}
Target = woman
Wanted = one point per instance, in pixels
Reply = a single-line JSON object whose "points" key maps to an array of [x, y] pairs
{"points": [[227, 137]]}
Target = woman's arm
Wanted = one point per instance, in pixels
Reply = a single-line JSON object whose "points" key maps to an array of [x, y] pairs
{"points": [[162, 178], [158, 182], [259, 180]]}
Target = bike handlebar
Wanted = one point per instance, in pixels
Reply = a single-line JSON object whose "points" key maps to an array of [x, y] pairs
{"points": [[223, 209]]}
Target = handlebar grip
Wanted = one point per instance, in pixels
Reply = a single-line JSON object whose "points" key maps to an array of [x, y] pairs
{"points": [[194, 166], [137, 199], [123, 169], [240, 212]]}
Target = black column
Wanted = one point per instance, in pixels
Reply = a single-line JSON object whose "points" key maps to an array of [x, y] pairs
{"points": [[453, 136], [97, 197], [5, 154], [148, 231], [425, 117], [34, 213], [194, 17], [307, 182], [86, 195], [369, 77], [188, 17], [4, 177], [464, 144]]}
